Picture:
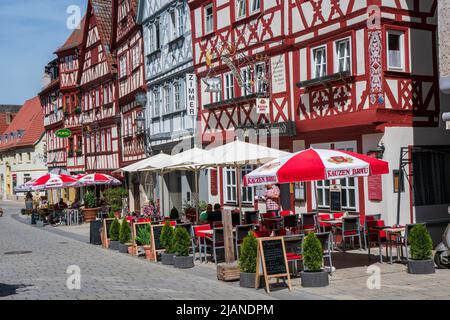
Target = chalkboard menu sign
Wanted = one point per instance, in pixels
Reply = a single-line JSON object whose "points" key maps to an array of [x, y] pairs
{"points": [[156, 237], [271, 261], [106, 225], [335, 198]]}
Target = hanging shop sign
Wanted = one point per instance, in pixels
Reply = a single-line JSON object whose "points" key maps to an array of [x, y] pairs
{"points": [[281, 129], [212, 85], [262, 106], [191, 94], [63, 133]]}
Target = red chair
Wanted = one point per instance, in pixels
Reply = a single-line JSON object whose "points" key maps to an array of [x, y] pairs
{"points": [[338, 215], [262, 233], [200, 239], [294, 254], [325, 226], [285, 213], [376, 235]]}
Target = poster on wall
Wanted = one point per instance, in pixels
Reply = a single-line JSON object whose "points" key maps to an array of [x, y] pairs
{"points": [[374, 184]]}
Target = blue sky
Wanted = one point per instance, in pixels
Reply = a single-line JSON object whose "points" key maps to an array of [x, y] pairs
{"points": [[30, 31]]}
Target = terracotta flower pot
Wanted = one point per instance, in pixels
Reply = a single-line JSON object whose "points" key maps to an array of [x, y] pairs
{"points": [[90, 214], [131, 249], [149, 254]]}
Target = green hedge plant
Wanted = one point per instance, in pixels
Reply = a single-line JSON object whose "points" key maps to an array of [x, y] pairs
{"points": [[248, 255], [174, 214], [143, 237], [181, 242], [89, 200], [125, 232], [421, 243], [166, 238], [114, 230], [312, 253]]}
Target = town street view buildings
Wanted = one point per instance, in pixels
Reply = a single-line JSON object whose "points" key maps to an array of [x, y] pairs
{"points": [[354, 75]]}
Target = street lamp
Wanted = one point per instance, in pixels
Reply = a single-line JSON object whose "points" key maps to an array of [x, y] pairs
{"points": [[141, 99]]}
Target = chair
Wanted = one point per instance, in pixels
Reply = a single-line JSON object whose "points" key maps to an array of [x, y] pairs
{"points": [[251, 217], [403, 242], [338, 215], [236, 218], [309, 222], [198, 237], [291, 222], [326, 240], [376, 235], [215, 243], [261, 233], [294, 250], [324, 225], [241, 232], [350, 229], [285, 213]]}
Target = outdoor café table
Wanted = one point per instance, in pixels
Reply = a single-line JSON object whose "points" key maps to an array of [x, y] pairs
{"points": [[334, 223], [207, 234], [390, 231]]}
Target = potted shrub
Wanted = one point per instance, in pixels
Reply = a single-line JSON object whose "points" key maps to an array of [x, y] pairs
{"points": [[313, 275], [174, 214], [247, 262], [113, 198], [114, 231], [124, 236], [167, 242], [182, 244], [143, 238], [89, 211], [421, 251]]}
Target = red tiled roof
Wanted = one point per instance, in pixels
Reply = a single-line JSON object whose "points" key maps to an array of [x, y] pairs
{"points": [[29, 121], [75, 39], [103, 14]]}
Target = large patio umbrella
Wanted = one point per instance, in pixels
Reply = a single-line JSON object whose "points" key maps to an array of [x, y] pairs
{"points": [[53, 181], [237, 154], [95, 179], [26, 187], [316, 165]]}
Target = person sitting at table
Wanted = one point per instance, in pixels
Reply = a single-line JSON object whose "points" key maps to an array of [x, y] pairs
{"points": [[216, 215], [61, 205], [205, 214], [75, 204]]}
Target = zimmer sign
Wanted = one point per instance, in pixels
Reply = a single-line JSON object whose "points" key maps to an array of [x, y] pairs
{"points": [[191, 94]]}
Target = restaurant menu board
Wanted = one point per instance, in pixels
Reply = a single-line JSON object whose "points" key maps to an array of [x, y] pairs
{"points": [[335, 198], [156, 237], [271, 261], [106, 225]]}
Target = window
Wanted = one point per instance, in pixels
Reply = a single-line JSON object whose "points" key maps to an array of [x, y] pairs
{"points": [[241, 8], [156, 102], [29, 157], [256, 5], [166, 99], [173, 25], [246, 77], [135, 56], [323, 194], [229, 86], [395, 50], [180, 20], [123, 66], [154, 39], [26, 178], [247, 193], [209, 18], [261, 78], [176, 94], [230, 185], [319, 62], [217, 96], [343, 57]]}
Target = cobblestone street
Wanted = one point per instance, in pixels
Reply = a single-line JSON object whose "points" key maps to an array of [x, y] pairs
{"points": [[39, 272]]}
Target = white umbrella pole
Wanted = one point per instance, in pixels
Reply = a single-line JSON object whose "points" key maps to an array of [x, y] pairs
{"points": [[316, 196], [197, 195], [162, 185], [239, 193]]}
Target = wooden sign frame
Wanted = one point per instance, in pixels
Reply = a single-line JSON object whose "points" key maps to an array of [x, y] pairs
{"points": [[156, 251], [261, 263], [135, 246], [105, 231]]}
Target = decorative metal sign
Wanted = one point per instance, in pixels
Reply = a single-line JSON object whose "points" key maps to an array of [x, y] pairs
{"points": [[234, 70], [63, 133], [213, 85]]}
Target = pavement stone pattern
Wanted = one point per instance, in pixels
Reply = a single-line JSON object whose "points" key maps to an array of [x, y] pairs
{"points": [[41, 274]]}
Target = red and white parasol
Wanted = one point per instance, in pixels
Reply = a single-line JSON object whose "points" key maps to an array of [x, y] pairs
{"points": [[98, 179], [316, 165], [53, 181]]}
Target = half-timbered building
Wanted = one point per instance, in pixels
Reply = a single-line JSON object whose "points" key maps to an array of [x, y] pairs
{"points": [[128, 46], [168, 53], [100, 111], [68, 62], [353, 75]]}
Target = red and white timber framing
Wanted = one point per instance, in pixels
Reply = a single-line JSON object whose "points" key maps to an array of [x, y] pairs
{"points": [[367, 101], [99, 92], [129, 46]]}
